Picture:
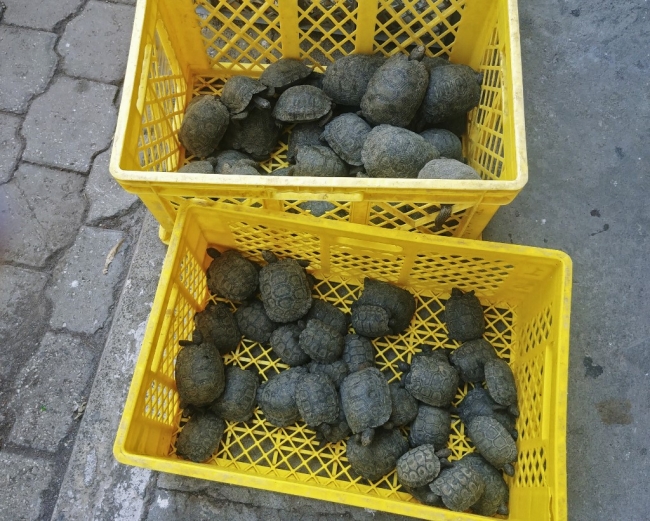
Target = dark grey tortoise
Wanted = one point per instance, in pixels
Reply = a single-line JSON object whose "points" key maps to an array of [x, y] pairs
{"points": [[330, 314], [277, 397], [321, 341], [284, 73], [303, 134], [317, 399], [317, 208], [365, 397], [444, 168], [197, 167], [500, 383], [377, 459], [335, 371], [419, 466], [218, 326], [302, 104], [395, 92], [477, 402], [239, 397], [346, 80], [390, 151], [285, 343], [398, 302], [254, 323], [432, 425], [470, 359], [496, 495], [459, 487], [257, 134], [199, 374], [370, 321], [333, 432], [231, 158], [239, 91], [318, 161], [431, 378], [493, 442], [346, 135], [200, 436], [447, 143], [231, 276], [284, 288], [358, 353], [464, 316], [404, 407], [205, 122]]}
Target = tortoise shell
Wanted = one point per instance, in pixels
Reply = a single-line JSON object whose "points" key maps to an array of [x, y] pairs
{"points": [[370, 321], [277, 397], [398, 302], [254, 323], [448, 169], [459, 487], [205, 122], [317, 399], [285, 343], [285, 290], [496, 495], [318, 161], [493, 442], [395, 92], [321, 342], [500, 383], [418, 467], [346, 135], [303, 134], [470, 359], [365, 397], [329, 314], [257, 134], [335, 371], [232, 276], [390, 151], [200, 437], [478, 402], [302, 104], [238, 92], [432, 380], [432, 425], [199, 374], [404, 406], [218, 326], [197, 167], [447, 143], [284, 72], [379, 457], [238, 399], [346, 80], [358, 353], [464, 316]]}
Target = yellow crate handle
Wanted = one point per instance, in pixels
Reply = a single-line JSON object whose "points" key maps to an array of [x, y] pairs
{"points": [[318, 196]]}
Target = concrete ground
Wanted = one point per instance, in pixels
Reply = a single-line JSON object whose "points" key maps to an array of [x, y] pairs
{"points": [[70, 334]]}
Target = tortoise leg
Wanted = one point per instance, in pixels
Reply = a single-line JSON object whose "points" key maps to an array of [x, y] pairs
{"points": [[213, 252], [514, 410], [261, 103], [509, 469], [367, 436], [443, 453], [503, 510]]}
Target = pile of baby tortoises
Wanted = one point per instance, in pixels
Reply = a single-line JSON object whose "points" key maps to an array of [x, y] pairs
{"points": [[333, 385], [359, 118]]}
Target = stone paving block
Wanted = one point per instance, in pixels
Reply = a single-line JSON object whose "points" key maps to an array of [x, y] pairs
{"points": [[45, 16], [108, 28], [72, 121], [21, 306], [95, 486], [82, 294], [27, 65], [41, 211], [107, 198], [22, 481], [9, 145], [50, 387]]}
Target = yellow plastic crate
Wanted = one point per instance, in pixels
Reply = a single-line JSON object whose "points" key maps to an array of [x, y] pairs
{"points": [[526, 293], [182, 48]]}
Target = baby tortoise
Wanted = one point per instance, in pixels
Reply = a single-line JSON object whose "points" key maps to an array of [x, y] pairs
{"points": [[302, 104], [448, 169], [459, 487], [200, 436], [335, 371], [365, 397], [238, 399], [346, 135], [493, 442], [496, 495], [470, 359], [478, 402], [447, 143], [217, 326], [284, 288], [285, 343], [231, 276], [284, 73], [317, 399], [398, 302], [431, 378], [277, 397], [464, 316], [375, 460], [420, 466], [321, 341], [432, 425], [346, 80], [358, 353], [404, 407], [329, 314], [253, 321], [500, 383], [205, 122], [199, 373], [318, 161]]}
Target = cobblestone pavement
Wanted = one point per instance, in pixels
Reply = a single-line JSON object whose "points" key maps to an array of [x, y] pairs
{"points": [[70, 335]]}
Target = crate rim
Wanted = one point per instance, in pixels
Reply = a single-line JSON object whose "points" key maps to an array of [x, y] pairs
{"points": [[559, 492], [512, 187]]}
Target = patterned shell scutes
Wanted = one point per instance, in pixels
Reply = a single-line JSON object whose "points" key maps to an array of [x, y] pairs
{"points": [[500, 382], [232, 276], [303, 134], [218, 326], [200, 437], [317, 399], [199, 374], [321, 341], [329, 314], [464, 316], [459, 487], [432, 380], [335, 432], [358, 352], [277, 398], [197, 167], [380, 457], [238, 92], [335, 371], [452, 91], [346, 135], [285, 343], [284, 72], [254, 322], [432, 426], [318, 161], [396, 152], [366, 399], [478, 402], [398, 302], [257, 134], [418, 467], [448, 144], [370, 321], [470, 359], [346, 80], [492, 441], [237, 401], [395, 92], [285, 290], [302, 103], [496, 494], [205, 122], [405, 407]]}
